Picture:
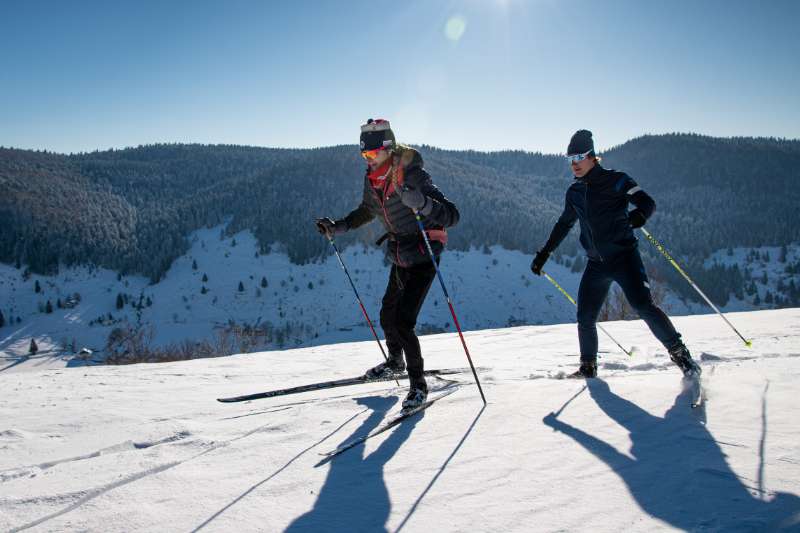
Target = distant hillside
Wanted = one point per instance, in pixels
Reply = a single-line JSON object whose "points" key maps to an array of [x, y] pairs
{"points": [[131, 210]]}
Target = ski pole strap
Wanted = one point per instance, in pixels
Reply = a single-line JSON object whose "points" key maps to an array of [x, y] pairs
{"points": [[660, 247]]}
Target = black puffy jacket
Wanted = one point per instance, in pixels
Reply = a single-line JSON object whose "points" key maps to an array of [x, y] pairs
{"points": [[599, 201], [404, 244]]}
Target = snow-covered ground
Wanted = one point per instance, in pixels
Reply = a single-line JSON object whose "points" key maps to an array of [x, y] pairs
{"points": [[147, 447], [314, 300], [312, 304]]}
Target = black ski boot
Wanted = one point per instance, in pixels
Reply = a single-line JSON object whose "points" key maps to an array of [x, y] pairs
{"points": [[588, 369], [395, 365], [417, 395], [680, 356]]}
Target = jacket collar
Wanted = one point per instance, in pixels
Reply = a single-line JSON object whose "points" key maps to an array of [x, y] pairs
{"points": [[593, 176]]}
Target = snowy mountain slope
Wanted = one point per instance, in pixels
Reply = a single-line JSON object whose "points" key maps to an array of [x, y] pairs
{"points": [[304, 304], [146, 447]]}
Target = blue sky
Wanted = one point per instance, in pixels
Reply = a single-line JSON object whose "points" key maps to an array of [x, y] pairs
{"points": [[481, 74]]}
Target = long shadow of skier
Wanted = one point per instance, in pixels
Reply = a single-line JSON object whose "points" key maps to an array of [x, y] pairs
{"points": [[678, 473], [354, 496]]}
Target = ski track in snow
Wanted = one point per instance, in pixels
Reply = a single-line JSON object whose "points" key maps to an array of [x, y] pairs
{"points": [[147, 447]]}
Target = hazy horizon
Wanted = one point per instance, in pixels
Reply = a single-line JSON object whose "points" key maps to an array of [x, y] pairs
{"points": [[354, 145]]}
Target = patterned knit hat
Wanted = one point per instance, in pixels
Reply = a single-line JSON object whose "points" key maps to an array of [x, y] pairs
{"points": [[377, 134]]}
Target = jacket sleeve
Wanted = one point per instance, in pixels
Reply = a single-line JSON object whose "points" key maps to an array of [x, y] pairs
{"points": [[360, 215], [562, 227], [443, 211], [643, 201]]}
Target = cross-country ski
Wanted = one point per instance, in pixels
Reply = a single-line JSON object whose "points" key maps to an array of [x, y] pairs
{"points": [[345, 382]]}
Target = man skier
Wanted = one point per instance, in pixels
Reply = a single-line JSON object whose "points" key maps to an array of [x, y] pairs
{"points": [[599, 200], [396, 186]]}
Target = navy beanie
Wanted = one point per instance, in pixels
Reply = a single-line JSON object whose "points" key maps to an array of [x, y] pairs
{"points": [[581, 143]]}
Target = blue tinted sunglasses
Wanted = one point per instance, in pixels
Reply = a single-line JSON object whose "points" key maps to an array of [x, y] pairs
{"points": [[578, 157]]}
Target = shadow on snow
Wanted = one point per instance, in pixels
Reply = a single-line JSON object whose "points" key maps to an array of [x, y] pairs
{"points": [[354, 496], [678, 473]]}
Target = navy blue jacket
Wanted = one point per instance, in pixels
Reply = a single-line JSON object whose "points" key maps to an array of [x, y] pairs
{"points": [[599, 201]]}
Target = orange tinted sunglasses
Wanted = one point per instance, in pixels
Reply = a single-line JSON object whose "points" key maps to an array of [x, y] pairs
{"points": [[369, 155]]}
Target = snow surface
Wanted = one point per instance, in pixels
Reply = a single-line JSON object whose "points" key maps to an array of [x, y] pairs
{"points": [[147, 447]]}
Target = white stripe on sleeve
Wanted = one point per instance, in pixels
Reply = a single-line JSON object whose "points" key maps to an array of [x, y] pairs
{"points": [[634, 190]]}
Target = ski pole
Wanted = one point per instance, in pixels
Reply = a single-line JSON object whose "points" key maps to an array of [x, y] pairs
{"points": [[565, 293], [660, 248], [363, 309], [449, 303]]}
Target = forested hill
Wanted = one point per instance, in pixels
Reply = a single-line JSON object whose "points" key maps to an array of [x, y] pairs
{"points": [[130, 210]]}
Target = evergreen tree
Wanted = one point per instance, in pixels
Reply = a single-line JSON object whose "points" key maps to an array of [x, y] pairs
{"points": [[2, 319], [241, 287], [203, 290], [194, 264], [36, 287], [59, 304], [784, 252], [264, 283], [48, 308], [205, 278], [149, 302], [33, 347], [120, 301]]}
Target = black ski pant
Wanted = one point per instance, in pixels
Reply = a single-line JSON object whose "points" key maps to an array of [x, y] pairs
{"points": [[628, 271], [402, 302]]}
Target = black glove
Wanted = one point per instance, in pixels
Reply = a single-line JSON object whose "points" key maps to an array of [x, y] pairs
{"points": [[326, 226], [636, 218], [417, 201], [539, 261]]}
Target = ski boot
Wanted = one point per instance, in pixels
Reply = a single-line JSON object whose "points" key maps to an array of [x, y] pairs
{"points": [[588, 369], [680, 356], [417, 395], [395, 365]]}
